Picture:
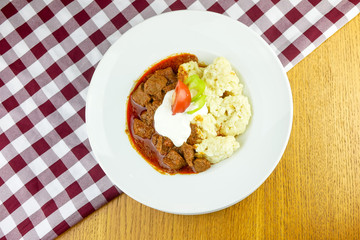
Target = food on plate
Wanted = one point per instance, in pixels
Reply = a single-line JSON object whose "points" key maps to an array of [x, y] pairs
{"points": [[184, 116]]}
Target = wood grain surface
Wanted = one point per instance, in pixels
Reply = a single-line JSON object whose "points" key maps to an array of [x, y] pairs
{"points": [[314, 193]]}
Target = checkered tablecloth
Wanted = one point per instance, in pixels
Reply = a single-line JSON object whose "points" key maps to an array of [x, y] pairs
{"points": [[49, 179]]}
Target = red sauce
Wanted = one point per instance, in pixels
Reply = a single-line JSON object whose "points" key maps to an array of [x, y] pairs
{"points": [[144, 146]]}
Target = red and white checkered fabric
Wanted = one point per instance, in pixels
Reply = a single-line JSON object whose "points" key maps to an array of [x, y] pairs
{"points": [[49, 179]]}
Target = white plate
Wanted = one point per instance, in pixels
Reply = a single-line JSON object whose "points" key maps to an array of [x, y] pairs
{"points": [[207, 35]]}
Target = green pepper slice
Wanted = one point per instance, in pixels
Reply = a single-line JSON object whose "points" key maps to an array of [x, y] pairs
{"points": [[200, 103], [194, 82]]}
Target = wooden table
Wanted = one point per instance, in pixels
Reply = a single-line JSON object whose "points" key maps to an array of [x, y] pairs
{"points": [[314, 192]]}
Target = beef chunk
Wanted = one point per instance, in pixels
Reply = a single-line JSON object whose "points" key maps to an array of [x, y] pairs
{"points": [[162, 144], [143, 130], [159, 96], [174, 161], [169, 87], [201, 164], [177, 149], [148, 115], [188, 153], [193, 138], [152, 106], [155, 139], [155, 84], [168, 143], [140, 96], [168, 73]]}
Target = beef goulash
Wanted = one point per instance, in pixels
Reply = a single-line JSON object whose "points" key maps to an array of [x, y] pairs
{"points": [[146, 97], [184, 116]]}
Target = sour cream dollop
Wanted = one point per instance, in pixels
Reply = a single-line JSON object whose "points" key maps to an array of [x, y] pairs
{"points": [[176, 127]]}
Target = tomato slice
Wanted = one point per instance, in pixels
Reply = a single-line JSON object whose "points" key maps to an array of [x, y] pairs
{"points": [[181, 98]]}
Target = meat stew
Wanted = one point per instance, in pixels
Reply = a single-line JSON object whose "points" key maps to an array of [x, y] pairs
{"points": [[143, 101]]}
